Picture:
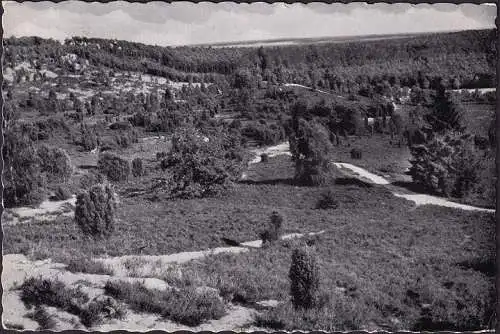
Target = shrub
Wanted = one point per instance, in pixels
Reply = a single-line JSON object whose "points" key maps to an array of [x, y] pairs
{"points": [[38, 291], [88, 138], [127, 138], [55, 162], [264, 157], [356, 153], [447, 113], [137, 167], [272, 233], [327, 200], [101, 308], [481, 142], [188, 306], [51, 292], [311, 147], [43, 318], [90, 179], [161, 155], [62, 193], [95, 211], [24, 182], [304, 277], [120, 126], [448, 164], [114, 167], [202, 166]]}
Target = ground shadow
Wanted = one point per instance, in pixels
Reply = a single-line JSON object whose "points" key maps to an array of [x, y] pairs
{"points": [[351, 181], [87, 167], [416, 188], [288, 182], [486, 266]]}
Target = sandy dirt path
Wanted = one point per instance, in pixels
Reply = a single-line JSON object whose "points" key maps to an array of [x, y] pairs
{"points": [[151, 264], [363, 174], [46, 211]]}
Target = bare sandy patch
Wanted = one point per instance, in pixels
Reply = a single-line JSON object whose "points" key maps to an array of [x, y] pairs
{"points": [[46, 211]]}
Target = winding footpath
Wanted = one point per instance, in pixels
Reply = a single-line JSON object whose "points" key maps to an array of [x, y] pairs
{"points": [[363, 174]]}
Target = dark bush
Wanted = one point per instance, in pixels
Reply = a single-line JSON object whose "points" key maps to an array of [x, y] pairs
{"points": [[114, 167], [90, 179], [127, 138], [311, 148], [201, 165], [327, 200], [38, 291], [187, 306], [264, 157], [161, 155], [304, 277], [120, 126], [95, 211], [62, 193], [448, 164], [43, 318], [356, 153], [481, 142], [55, 162], [137, 167], [273, 231], [24, 182], [89, 139], [101, 308]]}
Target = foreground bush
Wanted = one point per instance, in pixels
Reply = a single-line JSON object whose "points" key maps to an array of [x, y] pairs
{"points": [[95, 211], [37, 292], [43, 318], [304, 279], [114, 167], [187, 306], [101, 308]]}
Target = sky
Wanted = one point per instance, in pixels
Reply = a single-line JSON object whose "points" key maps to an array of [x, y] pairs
{"points": [[184, 23]]}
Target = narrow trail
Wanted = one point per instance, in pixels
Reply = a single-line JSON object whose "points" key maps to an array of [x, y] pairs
{"points": [[120, 264], [363, 174]]}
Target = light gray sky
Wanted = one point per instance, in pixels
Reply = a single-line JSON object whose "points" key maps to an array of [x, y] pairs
{"points": [[183, 23]]}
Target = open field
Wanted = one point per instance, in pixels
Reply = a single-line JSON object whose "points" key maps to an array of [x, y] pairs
{"points": [[373, 246], [293, 184]]}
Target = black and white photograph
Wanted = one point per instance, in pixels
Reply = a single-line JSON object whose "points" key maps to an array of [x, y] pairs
{"points": [[249, 166]]}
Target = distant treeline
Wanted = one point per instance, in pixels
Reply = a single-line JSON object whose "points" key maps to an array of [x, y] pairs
{"points": [[460, 59]]}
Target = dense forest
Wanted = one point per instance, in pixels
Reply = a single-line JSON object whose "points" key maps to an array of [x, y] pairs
{"points": [[462, 59]]}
